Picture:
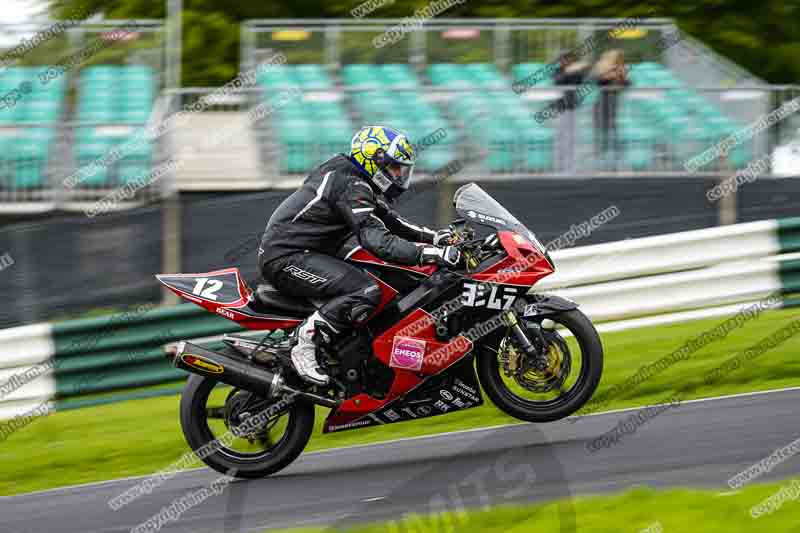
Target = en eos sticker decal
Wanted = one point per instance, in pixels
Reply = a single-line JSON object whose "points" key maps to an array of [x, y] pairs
{"points": [[407, 353]]}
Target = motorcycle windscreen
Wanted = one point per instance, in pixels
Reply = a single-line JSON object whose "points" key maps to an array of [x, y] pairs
{"points": [[476, 205]]}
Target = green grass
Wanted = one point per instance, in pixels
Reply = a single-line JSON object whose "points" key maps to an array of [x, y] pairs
{"points": [[637, 510], [142, 436]]}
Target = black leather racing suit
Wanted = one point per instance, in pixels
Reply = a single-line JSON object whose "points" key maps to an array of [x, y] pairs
{"points": [[298, 249]]}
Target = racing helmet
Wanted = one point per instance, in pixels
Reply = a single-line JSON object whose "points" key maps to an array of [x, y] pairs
{"points": [[385, 156]]}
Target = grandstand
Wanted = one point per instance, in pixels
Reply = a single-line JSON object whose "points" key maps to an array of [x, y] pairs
{"points": [[34, 115], [121, 96], [458, 75], [452, 75], [62, 114]]}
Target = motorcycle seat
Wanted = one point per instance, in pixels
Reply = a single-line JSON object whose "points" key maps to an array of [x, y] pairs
{"points": [[268, 299]]}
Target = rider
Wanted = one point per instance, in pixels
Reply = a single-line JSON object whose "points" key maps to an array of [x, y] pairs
{"points": [[344, 196]]}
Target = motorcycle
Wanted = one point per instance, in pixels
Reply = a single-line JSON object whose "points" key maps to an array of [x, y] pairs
{"points": [[439, 338]]}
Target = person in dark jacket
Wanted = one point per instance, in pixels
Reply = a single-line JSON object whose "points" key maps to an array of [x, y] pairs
{"points": [[345, 196], [570, 72]]}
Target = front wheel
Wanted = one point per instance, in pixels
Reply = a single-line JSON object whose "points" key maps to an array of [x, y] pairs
{"points": [[574, 364], [240, 434]]}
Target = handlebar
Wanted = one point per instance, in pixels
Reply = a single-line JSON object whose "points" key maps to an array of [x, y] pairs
{"points": [[466, 241]]}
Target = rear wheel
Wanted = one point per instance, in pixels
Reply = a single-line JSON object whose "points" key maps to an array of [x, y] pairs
{"points": [[574, 365], [240, 434]]}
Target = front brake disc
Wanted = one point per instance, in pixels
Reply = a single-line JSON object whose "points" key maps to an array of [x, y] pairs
{"points": [[553, 376]]}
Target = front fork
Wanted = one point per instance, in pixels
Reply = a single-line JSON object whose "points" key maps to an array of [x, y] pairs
{"points": [[534, 354]]}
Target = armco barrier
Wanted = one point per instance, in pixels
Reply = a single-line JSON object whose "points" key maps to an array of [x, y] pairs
{"points": [[672, 252], [100, 354], [672, 273], [789, 234], [26, 373], [789, 272], [666, 293]]}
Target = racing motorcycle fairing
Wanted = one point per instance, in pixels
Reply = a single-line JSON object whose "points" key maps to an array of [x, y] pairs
{"points": [[454, 389], [527, 260], [226, 293], [523, 266], [543, 304], [407, 343], [387, 294], [209, 289], [357, 254]]}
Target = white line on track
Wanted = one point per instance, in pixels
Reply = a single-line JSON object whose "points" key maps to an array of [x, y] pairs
{"points": [[409, 439]]}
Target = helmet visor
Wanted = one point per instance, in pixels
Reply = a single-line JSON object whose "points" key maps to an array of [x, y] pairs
{"points": [[400, 173]]}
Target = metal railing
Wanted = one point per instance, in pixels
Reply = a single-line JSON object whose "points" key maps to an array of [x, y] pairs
{"points": [[504, 42]]}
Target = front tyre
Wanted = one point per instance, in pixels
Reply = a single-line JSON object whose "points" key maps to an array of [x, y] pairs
{"points": [[212, 418], [544, 396]]}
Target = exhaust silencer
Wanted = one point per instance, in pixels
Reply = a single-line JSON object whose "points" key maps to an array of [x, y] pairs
{"points": [[237, 372], [224, 368]]}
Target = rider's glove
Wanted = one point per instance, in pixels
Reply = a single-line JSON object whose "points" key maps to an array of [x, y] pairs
{"points": [[443, 236], [449, 255]]}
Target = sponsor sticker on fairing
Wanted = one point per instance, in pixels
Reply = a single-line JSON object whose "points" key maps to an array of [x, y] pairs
{"points": [[407, 353]]}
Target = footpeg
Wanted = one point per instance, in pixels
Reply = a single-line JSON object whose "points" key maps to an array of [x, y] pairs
{"points": [[262, 350]]}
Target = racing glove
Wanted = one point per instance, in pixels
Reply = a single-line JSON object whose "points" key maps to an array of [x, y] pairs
{"points": [[449, 255]]}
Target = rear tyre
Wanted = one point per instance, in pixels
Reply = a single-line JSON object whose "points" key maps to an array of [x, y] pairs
{"points": [[297, 423], [512, 402]]}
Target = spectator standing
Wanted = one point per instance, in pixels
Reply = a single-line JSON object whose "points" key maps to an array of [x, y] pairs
{"points": [[611, 76], [570, 72]]}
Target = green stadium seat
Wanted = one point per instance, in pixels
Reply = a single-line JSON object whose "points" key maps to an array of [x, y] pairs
{"points": [[501, 141], [133, 170], [132, 116], [522, 71], [293, 136], [137, 74], [25, 151], [27, 162], [98, 75], [648, 65], [275, 75], [334, 134], [638, 157], [117, 96], [436, 157], [357, 77], [97, 115], [27, 174], [40, 114], [86, 153]]}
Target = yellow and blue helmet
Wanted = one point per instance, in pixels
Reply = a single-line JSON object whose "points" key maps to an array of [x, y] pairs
{"points": [[385, 156]]}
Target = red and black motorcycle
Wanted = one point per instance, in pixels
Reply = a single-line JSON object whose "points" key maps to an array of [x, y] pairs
{"points": [[538, 358]]}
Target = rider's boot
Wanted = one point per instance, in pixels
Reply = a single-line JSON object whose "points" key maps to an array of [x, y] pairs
{"points": [[304, 353]]}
